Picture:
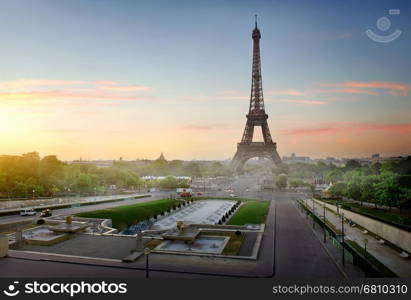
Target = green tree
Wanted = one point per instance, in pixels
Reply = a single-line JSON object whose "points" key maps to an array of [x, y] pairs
{"points": [[281, 181], [338, 188], [334, 175], [387, 190], [388, 167], [193, 169], [170, 182], [352, 164], [367, 190], [86, 183], [375, 168], [353, 190]]}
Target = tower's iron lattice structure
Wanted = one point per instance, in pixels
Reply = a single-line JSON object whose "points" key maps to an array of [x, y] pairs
{"points": [[256, 116]]}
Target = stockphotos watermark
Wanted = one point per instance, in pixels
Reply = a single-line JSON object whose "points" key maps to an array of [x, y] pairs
{"points": [[384, 24], [70, 289]]}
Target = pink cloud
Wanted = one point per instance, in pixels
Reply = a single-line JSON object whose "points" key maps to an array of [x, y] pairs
{"points": [[303, 101], [128, 88], [349, 91], [344, 127], [286, 92], [44, 95], [345, 35], [205, 127], [394, 88], [105, 82], [306, 131], [25, 83], [230, 95], [39, 89]]}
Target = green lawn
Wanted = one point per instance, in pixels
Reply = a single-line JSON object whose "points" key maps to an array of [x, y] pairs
{"points": [[250, 212], [384, 214], [127, 215], [377, 212]]}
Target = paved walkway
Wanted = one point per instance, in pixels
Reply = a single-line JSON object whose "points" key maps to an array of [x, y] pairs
{"points": [[350, 270], [299, 254], [386, 255]]}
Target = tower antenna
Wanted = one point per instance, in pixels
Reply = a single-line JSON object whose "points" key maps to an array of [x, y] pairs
{"points": [[255, 16]]}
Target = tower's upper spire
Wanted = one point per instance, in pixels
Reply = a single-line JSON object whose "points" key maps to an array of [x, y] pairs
{"points": [[256, 31]]}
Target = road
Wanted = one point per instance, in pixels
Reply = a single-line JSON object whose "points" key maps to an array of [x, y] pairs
{"points": [[75, 210]]}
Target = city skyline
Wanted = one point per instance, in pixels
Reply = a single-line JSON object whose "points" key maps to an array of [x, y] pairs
{"points": [[176, 78]]}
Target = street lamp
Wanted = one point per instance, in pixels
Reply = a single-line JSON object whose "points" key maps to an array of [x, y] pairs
{"points": [[33, 193], [312, 214], [325, 237], [365, 248], [365, 255], [342, 239], [147, 252]]}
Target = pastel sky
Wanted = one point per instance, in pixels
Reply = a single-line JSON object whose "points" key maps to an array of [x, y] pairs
{"points": [[100, 79]]}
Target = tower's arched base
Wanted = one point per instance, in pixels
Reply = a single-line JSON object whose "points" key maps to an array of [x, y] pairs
{"points": [[245, 151]]}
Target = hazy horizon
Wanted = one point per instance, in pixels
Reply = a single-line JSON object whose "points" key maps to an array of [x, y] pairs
{"points": [[104, 79]]}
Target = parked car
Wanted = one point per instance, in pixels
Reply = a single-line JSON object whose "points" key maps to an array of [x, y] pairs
{"points": [[46, 213], [185, 194], [233, 195], [27, 212]]}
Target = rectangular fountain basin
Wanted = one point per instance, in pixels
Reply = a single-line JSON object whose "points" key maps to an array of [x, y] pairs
{"points": [[42, 236], [202, 244]]}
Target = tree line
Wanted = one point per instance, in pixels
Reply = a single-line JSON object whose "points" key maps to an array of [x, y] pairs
{"points": [[30, 176], [387, 183]]}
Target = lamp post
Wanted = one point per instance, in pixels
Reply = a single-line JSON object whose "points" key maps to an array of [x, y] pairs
{"points": [[365, 248], [365, 255], [147, 253], [325, 237], [342, 239], [33, 193], [313, 213]]}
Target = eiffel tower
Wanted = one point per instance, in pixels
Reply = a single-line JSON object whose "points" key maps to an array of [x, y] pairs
{"points": [[256, 116]]}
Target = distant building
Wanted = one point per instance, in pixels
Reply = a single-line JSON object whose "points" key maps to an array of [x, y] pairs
{"points": [[294, 159], [375, 157], [393, 158], [161, 158], [364, 161], [97, 163], [150, 177]]}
